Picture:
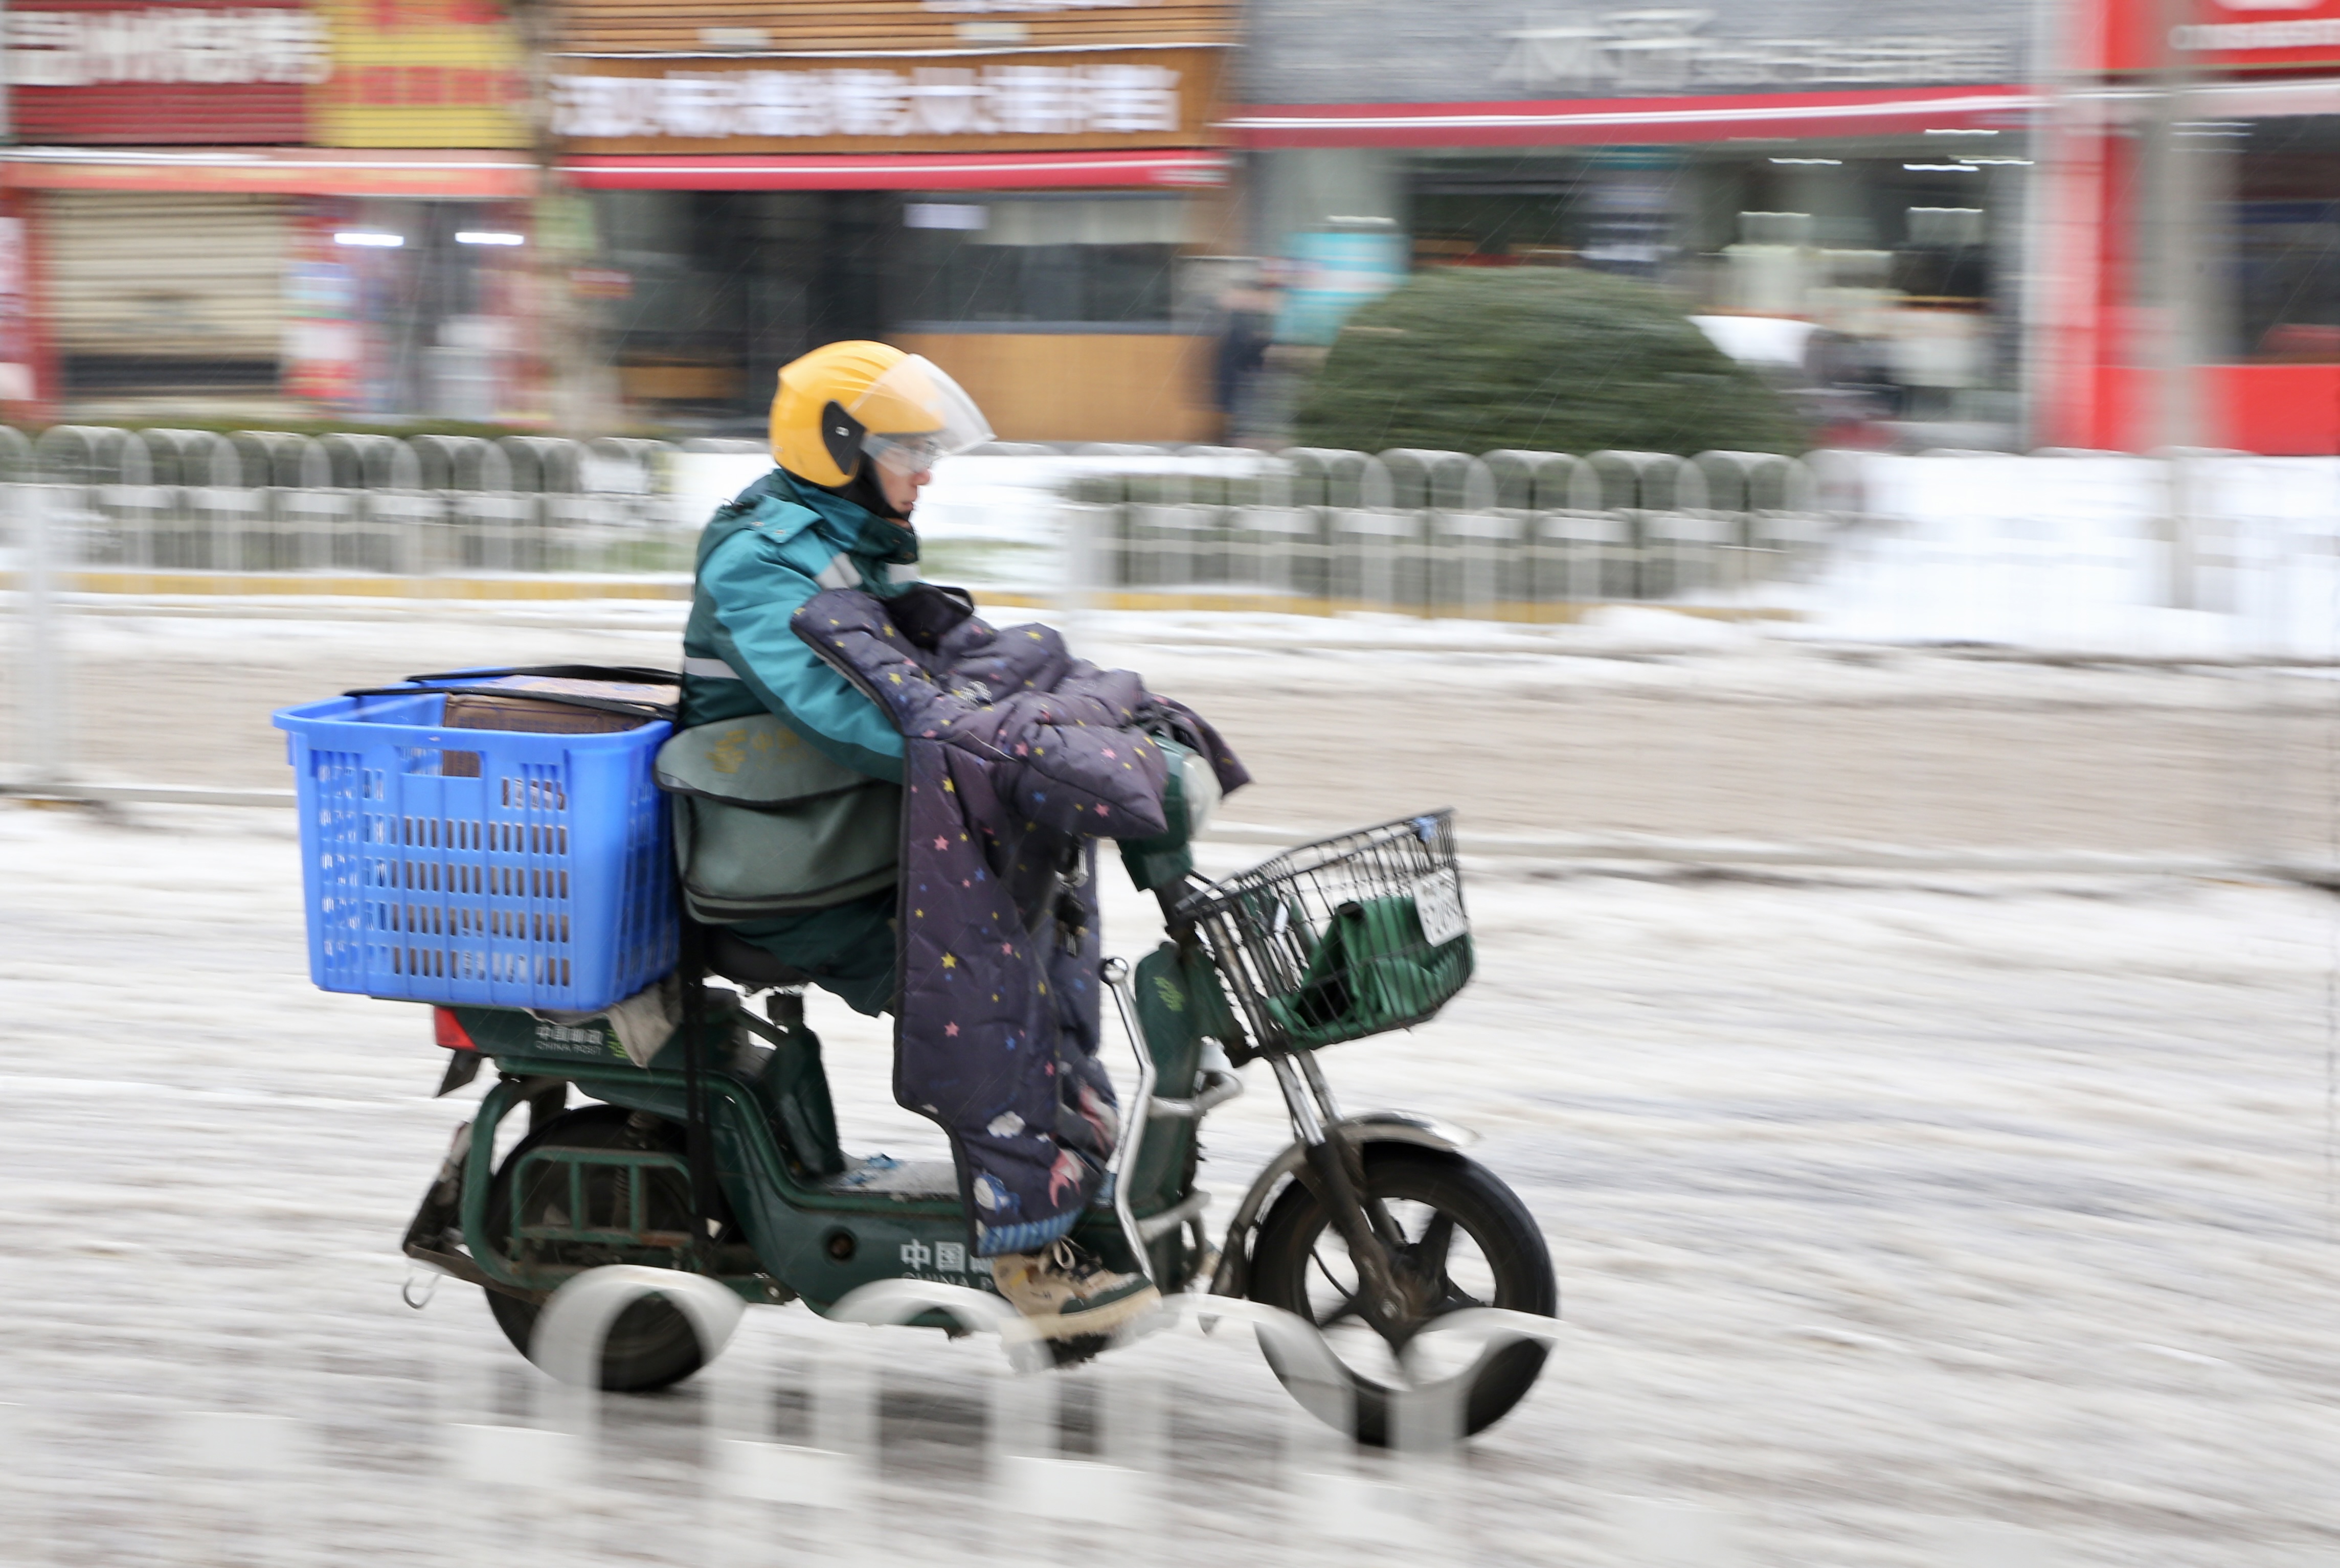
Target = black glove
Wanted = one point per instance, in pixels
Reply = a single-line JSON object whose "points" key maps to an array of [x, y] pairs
{"points": [[927, 612]]}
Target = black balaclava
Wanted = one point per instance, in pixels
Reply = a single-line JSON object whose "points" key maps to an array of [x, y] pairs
{"points": [[863, 491]]}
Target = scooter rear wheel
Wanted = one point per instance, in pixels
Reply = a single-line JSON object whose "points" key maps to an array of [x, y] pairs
{"points": [[1458, 1219], [651, 1345]]}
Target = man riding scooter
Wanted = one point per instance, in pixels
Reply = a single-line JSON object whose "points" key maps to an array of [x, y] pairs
{"points": [[875, 791], [790, 776]]}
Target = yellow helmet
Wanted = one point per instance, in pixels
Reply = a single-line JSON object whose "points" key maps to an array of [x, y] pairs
{"points": [[847, 400]]}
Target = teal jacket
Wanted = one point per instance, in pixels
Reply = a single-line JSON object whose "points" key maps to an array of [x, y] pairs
{"points": [[763, 554]]}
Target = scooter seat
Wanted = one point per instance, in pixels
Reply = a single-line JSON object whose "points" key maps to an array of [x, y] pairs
{"points": [[743, 963], [898, 1178]]}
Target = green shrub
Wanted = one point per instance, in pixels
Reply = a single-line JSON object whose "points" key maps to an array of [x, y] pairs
{"points": [[1469, 359]]}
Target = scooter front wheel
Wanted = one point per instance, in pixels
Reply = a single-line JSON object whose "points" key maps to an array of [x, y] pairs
{"points": [[651, 1345], [1470, 1242]]}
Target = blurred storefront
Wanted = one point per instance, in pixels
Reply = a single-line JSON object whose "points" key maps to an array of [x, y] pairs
{"points": [[1016, 196], [1838, 189], [269, 207], [2193, 285]]}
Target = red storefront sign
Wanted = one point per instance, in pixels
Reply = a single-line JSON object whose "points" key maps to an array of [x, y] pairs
{"points": [[1600, 121], [2222, 36], [900, 171], [2102, 382], [143, 73]]}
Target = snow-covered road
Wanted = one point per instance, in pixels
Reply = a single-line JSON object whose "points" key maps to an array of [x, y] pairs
{"points": [[1881, 1208], [1648, 723]]}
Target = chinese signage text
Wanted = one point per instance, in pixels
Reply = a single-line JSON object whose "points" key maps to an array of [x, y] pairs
{"points": [[1668, 51], [421, 73], [164, 45], [2223, 37], [925, 100], [2251, 35]]}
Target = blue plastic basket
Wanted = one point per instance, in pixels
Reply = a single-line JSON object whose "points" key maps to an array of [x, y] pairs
{"points": [[481, 867]]}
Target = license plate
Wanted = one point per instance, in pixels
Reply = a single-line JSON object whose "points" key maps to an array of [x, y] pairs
{"points": [[1438, 905]]}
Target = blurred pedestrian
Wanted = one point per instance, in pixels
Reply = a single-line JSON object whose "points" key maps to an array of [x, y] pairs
{"points": [[1245, 332]]}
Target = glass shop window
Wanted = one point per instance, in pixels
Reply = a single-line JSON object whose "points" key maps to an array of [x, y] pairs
{"points": [[1086, 262]]}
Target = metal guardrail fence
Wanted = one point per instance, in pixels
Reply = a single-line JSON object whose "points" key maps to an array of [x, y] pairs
{"points": [[345, 461], [171, 500], [391, 531], [1445, 532], [1513, 533]]}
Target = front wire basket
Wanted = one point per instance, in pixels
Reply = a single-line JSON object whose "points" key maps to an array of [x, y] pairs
{"points": [[1346, 937]]}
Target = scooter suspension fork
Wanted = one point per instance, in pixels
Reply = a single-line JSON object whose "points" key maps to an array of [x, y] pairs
{"points": [[1379, 1299], [1352, 1155]]}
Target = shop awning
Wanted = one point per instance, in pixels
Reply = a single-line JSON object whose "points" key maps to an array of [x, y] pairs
{"points": [[898, 171], [273, 170], [1582, 121]]}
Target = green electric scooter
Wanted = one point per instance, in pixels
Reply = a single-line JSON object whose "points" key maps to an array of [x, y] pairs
{"points": [[721, 1156]]}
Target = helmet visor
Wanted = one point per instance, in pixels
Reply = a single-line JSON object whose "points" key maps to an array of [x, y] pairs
{"points": [[915, 414]]}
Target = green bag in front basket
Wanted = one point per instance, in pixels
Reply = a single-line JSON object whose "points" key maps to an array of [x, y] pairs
{"points": [[1372, 970]]}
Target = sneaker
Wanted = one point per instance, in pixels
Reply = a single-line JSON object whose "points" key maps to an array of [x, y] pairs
{"points": [[1063, 1292]]}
